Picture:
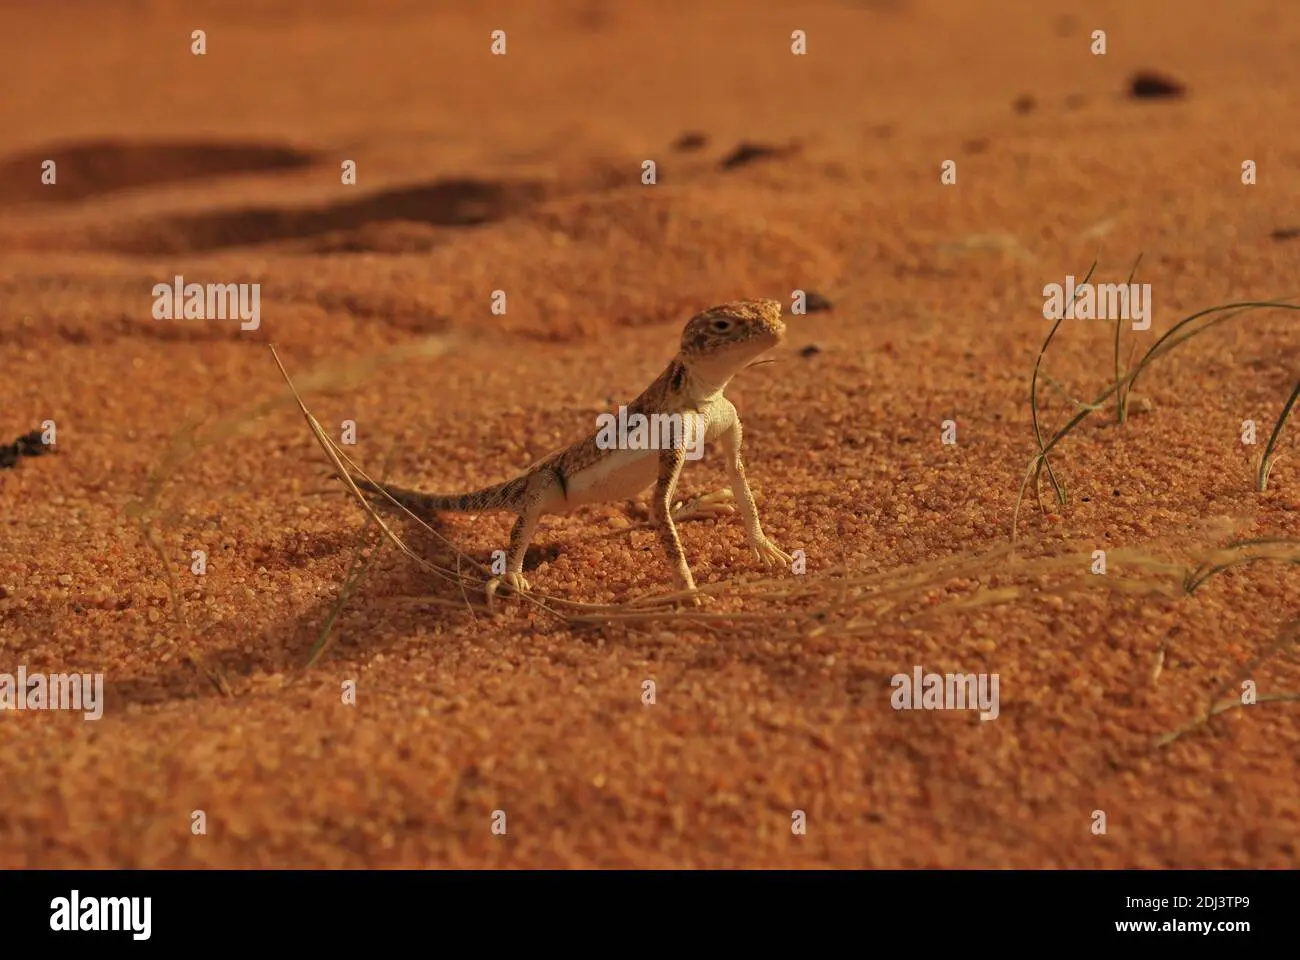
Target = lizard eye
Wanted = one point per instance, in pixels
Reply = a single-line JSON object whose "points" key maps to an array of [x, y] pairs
{"points": [[721, 326]]}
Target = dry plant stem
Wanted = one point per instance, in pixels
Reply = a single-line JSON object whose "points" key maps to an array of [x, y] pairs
{"points": [[358, 568], [339, 459], [1065, 394], [1224, 707], [360, 564], [1230, 310], [1166, 343], [1266, 462], [1121, 396], [1234, 555], [1287, 637], [1033, 391], [859, 604], [187, 441], [1040, 459]]}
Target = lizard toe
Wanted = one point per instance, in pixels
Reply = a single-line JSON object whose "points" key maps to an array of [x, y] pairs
{"points": [[514, 582], [717, 504], [772, 555]]}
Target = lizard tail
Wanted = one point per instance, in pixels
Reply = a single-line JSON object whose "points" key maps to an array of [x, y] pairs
{"points": [[496, 497]]}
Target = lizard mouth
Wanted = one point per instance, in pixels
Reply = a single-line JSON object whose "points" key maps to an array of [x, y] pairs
{"points": [[765, 343], [774, 335]]}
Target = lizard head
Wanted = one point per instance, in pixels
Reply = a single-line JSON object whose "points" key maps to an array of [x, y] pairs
{"points": [[725, 339]]}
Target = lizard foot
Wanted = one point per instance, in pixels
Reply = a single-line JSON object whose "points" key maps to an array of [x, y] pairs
{"points": [[770, 554], [514, 582], [695, 601], [717, 504]]}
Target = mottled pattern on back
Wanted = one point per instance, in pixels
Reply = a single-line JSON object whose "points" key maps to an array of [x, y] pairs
{"points": [[669, 393]]}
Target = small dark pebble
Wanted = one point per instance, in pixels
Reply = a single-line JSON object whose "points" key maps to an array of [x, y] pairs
{"points": [[1285, 233], [1074, 101], [1023, 104], [1147, 85], [815, 303], [810, 351], [976, 145], [28, 445], [748, 153], [691, 140]]}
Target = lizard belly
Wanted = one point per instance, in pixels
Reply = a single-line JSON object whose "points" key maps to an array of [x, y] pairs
{"points": [[621, 475]]}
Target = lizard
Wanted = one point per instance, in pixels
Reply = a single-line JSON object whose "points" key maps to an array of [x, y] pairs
{"points": [[716, 345]]}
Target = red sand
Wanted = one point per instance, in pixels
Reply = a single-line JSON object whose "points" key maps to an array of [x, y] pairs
{"points": [[522, 173]]}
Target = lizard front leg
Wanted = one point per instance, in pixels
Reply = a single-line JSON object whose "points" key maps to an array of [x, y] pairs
{"points": [[766, 551], [670, 469]]}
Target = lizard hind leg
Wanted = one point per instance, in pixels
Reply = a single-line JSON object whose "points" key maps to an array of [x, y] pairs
{"points": [[514, 582], [530, 512]]}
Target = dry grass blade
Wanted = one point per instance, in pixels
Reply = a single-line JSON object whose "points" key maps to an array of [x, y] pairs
{"points": [[1287, 637], [848, 603], [360, 564], [346, 469], [1223, 707], [1033, 386], [145, 511], [1121, 395], [1267, 460], [1180, 333], [1238, 554]]}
